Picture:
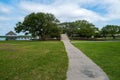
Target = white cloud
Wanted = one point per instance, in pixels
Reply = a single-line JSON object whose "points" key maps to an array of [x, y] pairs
{"points": [[4, 18], [4, 9], [64, 10], [5, 27], [114, 9]]}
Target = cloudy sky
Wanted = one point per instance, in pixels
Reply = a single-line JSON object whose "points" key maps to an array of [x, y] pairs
{"points": [[99, 12]]}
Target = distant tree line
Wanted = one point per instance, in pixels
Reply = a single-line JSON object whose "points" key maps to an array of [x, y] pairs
{"points": [[46, 25], [82, 28]]}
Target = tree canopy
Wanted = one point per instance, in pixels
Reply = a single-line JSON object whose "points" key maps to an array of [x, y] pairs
{"points": [[80, 27], [110, 30], [44, 25], [39, 24]]}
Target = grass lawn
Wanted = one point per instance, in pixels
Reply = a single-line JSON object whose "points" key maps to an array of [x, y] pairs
{"points": [[25, 60], [105, 54]]}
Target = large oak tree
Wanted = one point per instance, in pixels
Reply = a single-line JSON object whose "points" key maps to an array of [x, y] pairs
{"points": [[39, 25]]}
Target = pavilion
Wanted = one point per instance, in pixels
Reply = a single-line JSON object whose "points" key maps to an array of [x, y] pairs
{"points": [[11, 36]]}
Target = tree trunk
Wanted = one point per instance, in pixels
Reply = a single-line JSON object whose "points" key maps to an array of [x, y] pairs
{"points": [[113, 36], [43, 37], [39, 37]]}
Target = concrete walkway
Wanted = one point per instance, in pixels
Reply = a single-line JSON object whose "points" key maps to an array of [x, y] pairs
{"points": [[80, 66]]}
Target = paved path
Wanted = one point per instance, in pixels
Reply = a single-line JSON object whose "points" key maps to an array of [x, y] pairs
{"points": [[80, 66]]}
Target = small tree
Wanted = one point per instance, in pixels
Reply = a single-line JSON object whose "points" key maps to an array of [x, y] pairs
{"points": [[38, 24]]}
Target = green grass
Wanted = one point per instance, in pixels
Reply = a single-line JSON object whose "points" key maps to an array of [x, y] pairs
{"points": [[25, 60], [105, 54]]}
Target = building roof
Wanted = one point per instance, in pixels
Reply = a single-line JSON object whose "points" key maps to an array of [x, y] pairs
{"points": [[11, 33]]}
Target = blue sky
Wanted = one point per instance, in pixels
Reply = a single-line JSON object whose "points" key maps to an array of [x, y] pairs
{"points": [[99, 12]]}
